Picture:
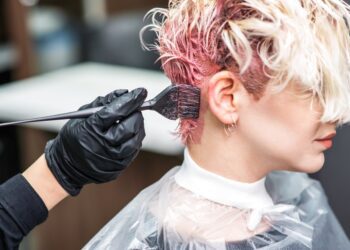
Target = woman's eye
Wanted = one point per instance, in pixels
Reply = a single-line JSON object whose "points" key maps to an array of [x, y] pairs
{"points": [[308, 93], [305, 93]]}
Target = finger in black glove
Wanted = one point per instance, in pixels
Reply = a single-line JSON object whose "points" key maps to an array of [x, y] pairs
{"points": [[97, 149]]}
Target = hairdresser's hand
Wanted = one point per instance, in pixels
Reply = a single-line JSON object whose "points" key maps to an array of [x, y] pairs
{"points": [[98, 148]]}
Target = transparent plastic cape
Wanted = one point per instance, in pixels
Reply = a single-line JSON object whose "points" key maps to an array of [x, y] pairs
{"points": [[167, 216]]}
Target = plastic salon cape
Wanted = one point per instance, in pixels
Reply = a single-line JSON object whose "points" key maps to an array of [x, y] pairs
{"points": [[190, 208]]}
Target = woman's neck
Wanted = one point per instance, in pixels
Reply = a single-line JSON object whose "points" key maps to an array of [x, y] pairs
{"points": [[234, 162], [219, 189]]}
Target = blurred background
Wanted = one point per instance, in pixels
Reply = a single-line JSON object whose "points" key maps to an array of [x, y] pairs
{"points": [[46, 41]]}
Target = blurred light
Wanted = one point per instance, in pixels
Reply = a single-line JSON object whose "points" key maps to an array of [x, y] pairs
{"points": [[29, 2], [8, 56], [55, 41], [95, 12]]}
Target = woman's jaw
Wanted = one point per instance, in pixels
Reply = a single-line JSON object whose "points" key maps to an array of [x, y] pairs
{"points": [[279, 131]]}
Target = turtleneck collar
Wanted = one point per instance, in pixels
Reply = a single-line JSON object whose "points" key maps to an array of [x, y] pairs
{"points": [[220, 189]]}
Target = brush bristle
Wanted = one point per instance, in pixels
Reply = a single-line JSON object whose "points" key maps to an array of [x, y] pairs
{"points": [[170, 110], [176, 101], [188, 103]]}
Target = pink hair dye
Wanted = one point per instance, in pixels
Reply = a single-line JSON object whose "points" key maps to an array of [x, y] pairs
{"points": [[192, 49]]}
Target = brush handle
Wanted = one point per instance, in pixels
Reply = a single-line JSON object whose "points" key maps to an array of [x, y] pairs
{"points": [[148, 105], [72, 115]]}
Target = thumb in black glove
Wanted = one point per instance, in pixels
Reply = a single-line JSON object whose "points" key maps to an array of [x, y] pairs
{"points": [[98, 148]]}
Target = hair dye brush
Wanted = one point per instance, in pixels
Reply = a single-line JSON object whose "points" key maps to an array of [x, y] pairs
{"points": [[176, 101]]}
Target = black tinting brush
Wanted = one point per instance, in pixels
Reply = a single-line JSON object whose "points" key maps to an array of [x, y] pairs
{"points": [[176, 101]]}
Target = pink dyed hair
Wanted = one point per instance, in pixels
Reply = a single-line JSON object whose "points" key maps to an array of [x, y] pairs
{"points": [[191, 48], [259, 41]]}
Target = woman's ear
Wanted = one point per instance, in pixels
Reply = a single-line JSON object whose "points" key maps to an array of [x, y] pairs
{"points": [[224, 93]]}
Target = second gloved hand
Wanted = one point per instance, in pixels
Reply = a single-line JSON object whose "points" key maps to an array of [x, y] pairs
{"points": [[97, 149]]}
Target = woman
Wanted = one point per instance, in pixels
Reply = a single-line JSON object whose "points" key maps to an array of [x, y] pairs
{"points": [[275, 85]]}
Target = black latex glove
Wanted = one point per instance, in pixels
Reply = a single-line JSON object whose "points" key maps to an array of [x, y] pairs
{"points": [[97, 149]]}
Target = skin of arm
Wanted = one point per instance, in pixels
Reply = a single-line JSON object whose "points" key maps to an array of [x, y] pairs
{"points": [[44, 183]]}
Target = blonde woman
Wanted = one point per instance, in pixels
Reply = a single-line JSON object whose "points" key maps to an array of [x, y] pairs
{"points": [[274, 77]]}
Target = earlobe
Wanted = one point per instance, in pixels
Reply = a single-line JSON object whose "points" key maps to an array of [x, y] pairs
{"points": [[223, 96]]}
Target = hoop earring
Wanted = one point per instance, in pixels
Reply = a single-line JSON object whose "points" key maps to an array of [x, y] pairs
{"points": [[230, 128]]}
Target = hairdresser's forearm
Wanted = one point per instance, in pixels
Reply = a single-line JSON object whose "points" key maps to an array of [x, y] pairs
{"points": [[21, 208], [44, 183], [24, 202]]}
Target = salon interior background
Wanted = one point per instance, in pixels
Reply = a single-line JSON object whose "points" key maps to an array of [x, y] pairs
{"points": [[39, 37]]}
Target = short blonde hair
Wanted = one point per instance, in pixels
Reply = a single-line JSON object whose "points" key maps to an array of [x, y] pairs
{"points": [[263, 41]]}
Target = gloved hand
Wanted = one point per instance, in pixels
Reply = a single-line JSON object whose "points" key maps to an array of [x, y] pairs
{"points": [[98, 148]]}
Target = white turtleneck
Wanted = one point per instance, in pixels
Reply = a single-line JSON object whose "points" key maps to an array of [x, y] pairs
{"points": [[220, 189]]}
